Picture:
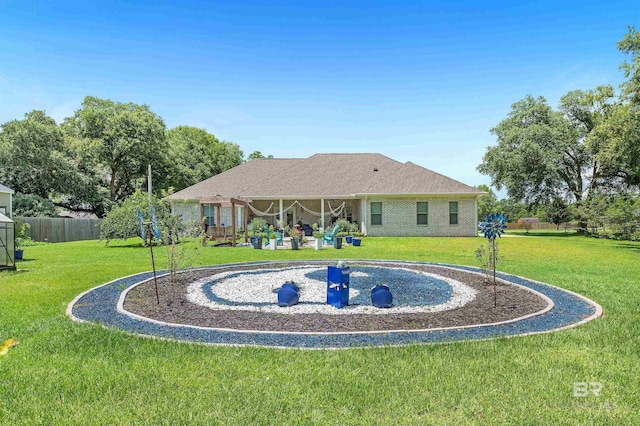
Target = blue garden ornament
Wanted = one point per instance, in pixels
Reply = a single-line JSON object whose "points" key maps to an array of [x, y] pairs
{"points": [[381, 296], [154, 223], [143, 228], [288, 295], [493, 225]]}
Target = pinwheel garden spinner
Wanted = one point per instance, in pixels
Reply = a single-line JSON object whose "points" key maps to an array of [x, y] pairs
{"points": [[492, 226]]}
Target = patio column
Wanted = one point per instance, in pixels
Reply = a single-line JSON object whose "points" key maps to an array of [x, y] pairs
{"points": [[246, 222], [202, 221], [322, 212], [281, 218], [233, 224], [218, 208], [365, 217]]}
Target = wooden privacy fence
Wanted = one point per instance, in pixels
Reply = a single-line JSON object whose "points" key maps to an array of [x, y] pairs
{"points": [[59, 230], [541, 225]]}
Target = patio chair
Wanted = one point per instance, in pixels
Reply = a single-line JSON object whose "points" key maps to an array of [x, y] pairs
{"points": [[307, 229], [279, 238], [329, 236]]}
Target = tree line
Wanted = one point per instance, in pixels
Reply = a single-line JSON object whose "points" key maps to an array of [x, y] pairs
{"points": [[582, 158], [100, 155]]}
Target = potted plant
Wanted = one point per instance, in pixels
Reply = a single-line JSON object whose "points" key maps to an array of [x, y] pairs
{"points": [[18, 252], [22, 239], [294, 238], [273, 238], [353, 230], [318, 235], [257, 227]]}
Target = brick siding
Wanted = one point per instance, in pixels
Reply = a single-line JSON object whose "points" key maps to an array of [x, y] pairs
{"points": [[399, 218]]}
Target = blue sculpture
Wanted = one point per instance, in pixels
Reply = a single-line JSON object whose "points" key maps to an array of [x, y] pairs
{"points": [[288, 294], [493, 225], [381, 296], [154, 222], [338, 285]]}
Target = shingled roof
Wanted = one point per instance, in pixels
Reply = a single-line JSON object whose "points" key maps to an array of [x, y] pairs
{"points": [[325, 176], [5, 189]]}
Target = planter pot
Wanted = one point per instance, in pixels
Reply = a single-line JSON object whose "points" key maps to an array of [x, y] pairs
{"points": [[272, 244], [288, 295], [337, 242], [381, 297], [318, 244], [349, 238], [18, 254], [294, 244], [356, 241], [257, 242]]}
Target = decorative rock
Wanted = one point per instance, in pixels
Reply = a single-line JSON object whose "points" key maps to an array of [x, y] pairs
{"points": [[381, 297], [288, 295], [100, 306]]}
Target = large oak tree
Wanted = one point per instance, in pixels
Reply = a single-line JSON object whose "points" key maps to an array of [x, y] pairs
{"points": [[117, 141], [32, 155], [197, 155]]}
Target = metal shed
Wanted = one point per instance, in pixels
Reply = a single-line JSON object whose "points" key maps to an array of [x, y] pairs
{"points": [[7, 243]]}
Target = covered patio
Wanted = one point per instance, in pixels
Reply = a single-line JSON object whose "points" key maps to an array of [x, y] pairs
{"points": [[216, 229], [322, 212]]}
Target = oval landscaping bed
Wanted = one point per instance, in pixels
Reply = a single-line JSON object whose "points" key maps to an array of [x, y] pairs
{"points": [[237, 304]]}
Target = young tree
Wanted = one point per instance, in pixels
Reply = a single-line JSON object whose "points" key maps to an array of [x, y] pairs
{"points": [[558, 212]]}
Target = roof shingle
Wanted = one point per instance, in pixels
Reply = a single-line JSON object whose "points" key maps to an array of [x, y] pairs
{"points": [[325, 176]]}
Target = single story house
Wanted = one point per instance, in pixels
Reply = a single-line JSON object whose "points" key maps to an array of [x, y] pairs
{"points": [[383, 196], [6, 201]]}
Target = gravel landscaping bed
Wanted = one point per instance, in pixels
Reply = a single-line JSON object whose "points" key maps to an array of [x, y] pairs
{"points": [[174, 307], [101, 305]]}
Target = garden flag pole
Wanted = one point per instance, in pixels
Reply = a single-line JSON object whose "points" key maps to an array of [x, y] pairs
{"points": [[153, 263], [151, 229], [149, 183]]}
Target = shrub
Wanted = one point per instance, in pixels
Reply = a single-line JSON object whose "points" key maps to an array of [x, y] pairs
{"points": [[121, 222], [257, 227], [344, 226], [22, 235]]}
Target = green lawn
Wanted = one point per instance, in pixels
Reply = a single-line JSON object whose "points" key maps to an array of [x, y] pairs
{"points": [[68, 373]]}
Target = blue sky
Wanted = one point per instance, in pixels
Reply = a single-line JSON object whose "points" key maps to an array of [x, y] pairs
{"points": [[417, 81]]}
